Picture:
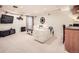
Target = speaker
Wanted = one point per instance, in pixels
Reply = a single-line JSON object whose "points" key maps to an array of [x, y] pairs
{"points": [[23, 29]]}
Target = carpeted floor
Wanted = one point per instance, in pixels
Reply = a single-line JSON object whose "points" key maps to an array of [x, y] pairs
{"points": [[24, 43]]}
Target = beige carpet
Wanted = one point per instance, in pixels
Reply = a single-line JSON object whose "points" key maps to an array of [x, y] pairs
{"points": [[24, 43]]}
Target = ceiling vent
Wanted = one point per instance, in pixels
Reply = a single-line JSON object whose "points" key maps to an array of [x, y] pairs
{"points": [[15, 6], [0, 6]]}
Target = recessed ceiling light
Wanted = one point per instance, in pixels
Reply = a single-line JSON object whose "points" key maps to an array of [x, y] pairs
{"points": [[15, 6]]}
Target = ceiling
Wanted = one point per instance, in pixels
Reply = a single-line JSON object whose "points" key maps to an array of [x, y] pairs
{"points": [[33, 9]]}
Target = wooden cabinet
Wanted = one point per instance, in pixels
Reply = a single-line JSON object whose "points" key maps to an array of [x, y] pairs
{"points": [[72, 40]]}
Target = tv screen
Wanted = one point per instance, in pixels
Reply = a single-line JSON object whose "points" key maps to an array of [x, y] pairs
{"points": [[6, 19]]}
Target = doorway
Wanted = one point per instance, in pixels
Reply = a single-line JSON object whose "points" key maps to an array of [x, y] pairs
{"points": [[29, 24]]}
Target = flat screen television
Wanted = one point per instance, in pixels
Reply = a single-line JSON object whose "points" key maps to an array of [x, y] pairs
{"points": [[6, 19]]}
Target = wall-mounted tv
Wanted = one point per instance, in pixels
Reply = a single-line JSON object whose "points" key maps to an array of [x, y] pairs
{"points": [[6, 19]]}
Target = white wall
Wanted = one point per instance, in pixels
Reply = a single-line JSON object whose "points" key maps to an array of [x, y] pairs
{"points": [[56, 20], [17, 24]]}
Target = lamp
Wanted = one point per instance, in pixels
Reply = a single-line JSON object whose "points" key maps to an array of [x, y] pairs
{"points": [[20, 18]]}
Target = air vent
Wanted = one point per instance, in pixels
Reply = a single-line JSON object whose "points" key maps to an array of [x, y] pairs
{"points": [[15, 6], [0, 6]]}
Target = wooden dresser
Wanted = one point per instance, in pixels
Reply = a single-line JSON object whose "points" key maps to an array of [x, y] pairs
{"points": [[71, 37]]}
